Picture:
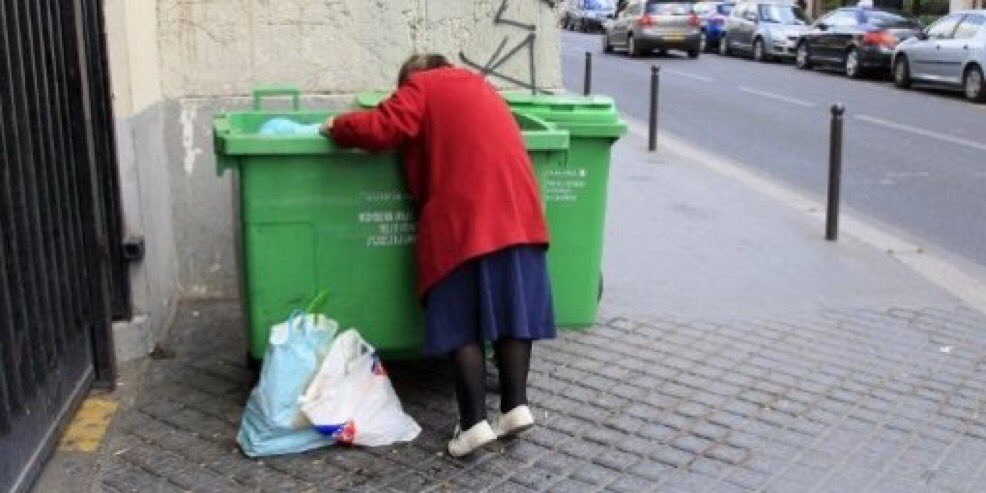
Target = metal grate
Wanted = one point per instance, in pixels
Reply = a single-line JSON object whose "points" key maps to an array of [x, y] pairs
{"points": [[57, 209]]}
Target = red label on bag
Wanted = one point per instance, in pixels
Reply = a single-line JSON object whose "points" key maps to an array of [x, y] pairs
{"points": [[347, 434], [344, 433]]}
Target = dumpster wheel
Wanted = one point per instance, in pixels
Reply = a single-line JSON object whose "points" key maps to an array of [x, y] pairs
{"points": [[253, 366], [599, 297]]}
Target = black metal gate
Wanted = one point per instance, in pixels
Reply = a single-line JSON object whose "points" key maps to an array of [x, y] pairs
{"points": [[59, 226]]}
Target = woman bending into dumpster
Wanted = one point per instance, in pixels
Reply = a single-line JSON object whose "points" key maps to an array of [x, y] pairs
{"points": [[482, 236]]}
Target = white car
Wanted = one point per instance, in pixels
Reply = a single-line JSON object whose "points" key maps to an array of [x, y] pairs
{"points": [[951, 52]]}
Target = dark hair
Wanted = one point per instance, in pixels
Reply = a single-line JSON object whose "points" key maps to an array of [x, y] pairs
{"points": [[419, 63]]}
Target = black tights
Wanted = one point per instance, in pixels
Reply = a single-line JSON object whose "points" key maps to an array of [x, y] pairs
{"points": [[513, 358]]}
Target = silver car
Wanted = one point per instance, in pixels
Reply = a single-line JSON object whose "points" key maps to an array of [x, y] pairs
{"points": [[951, 51], [587, 15], [642, 26], [764, 30]]}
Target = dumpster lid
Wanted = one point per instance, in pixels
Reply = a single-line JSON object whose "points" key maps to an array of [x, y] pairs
{"points": [[583, 116], [540, 135], [561, 101], [237, 134], [566, 108], [553, 102], [370, 99]]}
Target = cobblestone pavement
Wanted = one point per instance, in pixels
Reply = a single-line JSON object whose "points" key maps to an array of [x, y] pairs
{"points": [[854, 400]]}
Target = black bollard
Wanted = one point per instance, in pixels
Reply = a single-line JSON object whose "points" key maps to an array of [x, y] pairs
{"points": [[835, 173], [655, 87], [587, 85]]}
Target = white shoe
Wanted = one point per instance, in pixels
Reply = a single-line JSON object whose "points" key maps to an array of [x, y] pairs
{"points": [[517, 420], [466, 442]]}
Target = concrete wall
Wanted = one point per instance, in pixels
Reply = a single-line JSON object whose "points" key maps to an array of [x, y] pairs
{"points": [[223, 48], [131, 27], [955, 5], [175, 63]]}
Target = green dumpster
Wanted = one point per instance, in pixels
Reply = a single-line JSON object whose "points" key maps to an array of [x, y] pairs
{"points": [[575, 193], [313, 218], [576, 197]]}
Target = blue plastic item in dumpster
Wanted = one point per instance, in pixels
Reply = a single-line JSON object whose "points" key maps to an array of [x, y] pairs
{"points": [[287, 127]]}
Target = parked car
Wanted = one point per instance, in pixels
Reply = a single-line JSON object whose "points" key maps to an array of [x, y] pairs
{"points": [[643, 26], [855, 39], [587, 15], [712, 16], [764, 30], [951, 51]]}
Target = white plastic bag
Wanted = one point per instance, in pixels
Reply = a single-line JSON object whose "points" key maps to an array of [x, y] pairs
{"points": [[351, 398], [272, 421]]}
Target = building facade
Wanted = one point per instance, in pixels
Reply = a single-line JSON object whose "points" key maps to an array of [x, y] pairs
{"points": [[175, 63]]}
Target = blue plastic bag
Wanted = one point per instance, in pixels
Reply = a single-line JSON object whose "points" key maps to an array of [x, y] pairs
{"points": [[286, 127], [273, 423]]}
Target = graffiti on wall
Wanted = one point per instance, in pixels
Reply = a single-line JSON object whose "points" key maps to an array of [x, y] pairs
{"points": [[520, 44]]}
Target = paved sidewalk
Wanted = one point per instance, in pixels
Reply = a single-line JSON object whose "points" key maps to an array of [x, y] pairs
{"points": [[736, 352], [890, 400], [686, 240]]}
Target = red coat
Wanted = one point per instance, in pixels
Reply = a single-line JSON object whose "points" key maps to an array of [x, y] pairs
{"points": [[466, 165]]}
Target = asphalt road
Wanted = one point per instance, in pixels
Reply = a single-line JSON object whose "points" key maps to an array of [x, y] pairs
{"points": [[915, 160]]}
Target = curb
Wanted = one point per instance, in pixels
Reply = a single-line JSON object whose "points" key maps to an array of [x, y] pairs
{"points": [[935, 268]]}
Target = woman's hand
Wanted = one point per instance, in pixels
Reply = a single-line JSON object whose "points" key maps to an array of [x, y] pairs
{"points": [[326, 128]]}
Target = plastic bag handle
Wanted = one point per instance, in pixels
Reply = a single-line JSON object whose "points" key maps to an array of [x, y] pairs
{"points": [[362, 349], [265, 91], [318, 302], [293, 320]]}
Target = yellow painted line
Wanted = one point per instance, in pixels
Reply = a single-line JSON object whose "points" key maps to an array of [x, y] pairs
{"points": [[86, 431]]}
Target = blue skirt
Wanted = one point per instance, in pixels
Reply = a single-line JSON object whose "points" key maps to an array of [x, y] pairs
{"points": [[502, 294]]}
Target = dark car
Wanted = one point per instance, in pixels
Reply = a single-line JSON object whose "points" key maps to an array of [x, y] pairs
{"points": [[587, 15], [855, 39], [642, 26]]}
